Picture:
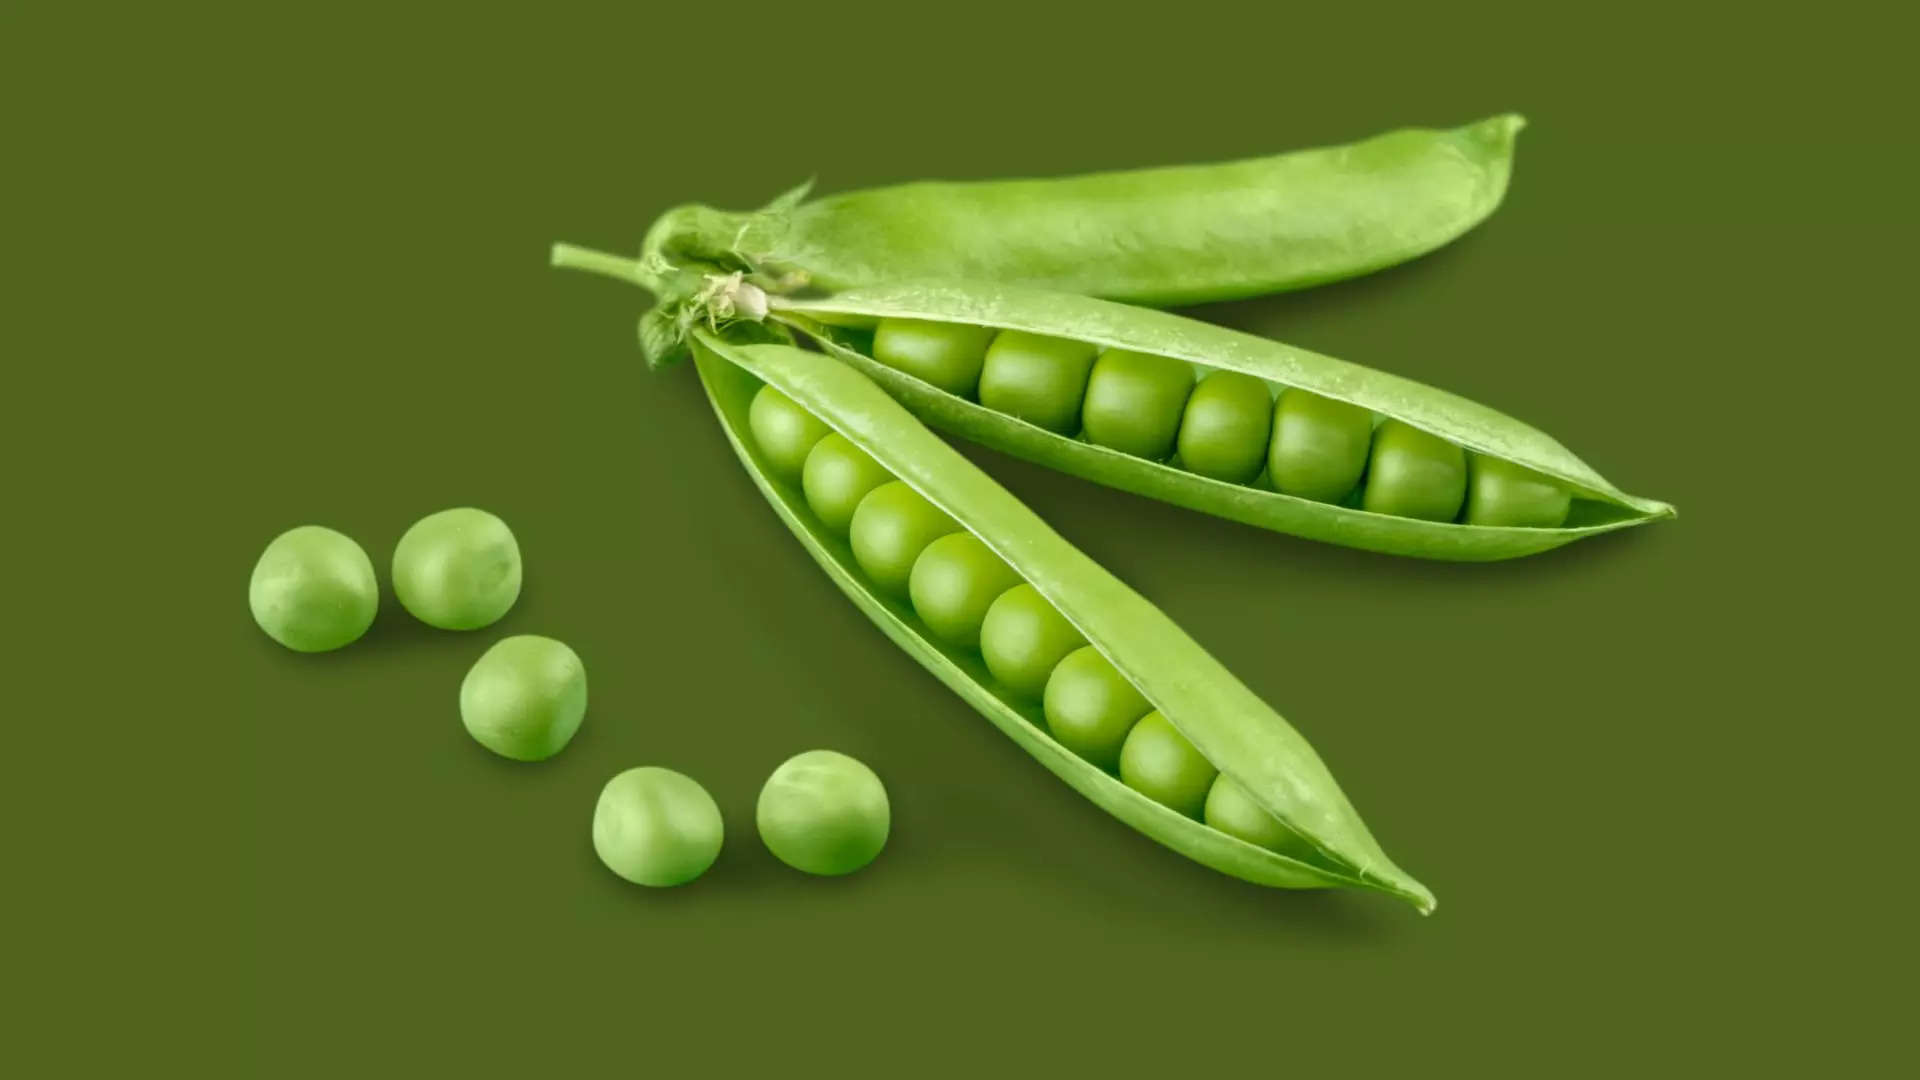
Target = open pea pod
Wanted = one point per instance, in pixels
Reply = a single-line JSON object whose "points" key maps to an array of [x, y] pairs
{"points": [[1160, 236], [1239, 735]]}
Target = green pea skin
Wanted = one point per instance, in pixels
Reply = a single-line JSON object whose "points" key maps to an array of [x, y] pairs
{"points": [[1319, 446], [458, 569], [785, 432], [1231, 810], [1090, 707], [948, 355], [953, 583], [1500, 492], [1134, 401], [1037, 379], [836, 477], [1224, 432], [656, 827], [1414, 474], [1023, 637], [890, 528], [525, 697], [1158, 762], [824, 813], [313, 589]]}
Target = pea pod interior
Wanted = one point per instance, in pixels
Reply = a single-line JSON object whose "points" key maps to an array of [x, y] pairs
{"points": [[1267, 762], [1437, 475]]}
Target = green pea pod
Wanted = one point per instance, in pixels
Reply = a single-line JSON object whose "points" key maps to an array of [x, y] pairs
{"points": [[1234, 729], [1163, 236]]}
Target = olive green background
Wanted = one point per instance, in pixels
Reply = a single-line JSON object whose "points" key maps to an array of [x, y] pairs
{"points": [[272, 270]]}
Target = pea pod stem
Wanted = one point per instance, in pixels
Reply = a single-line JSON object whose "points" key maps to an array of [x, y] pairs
{"points": [[574, 257], [1229, 724]]}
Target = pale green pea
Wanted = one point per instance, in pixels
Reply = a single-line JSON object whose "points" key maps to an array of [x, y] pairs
{"points": [[525, 697], [1159, 762], [837, 476], [458, 569], [1319, 446], [1415, 474], [313, 589], [1090, 707], [1500, 492], [824, 812], [656, 827], [1134, 401], [1037, 379], [784, 432], [890, 528], [953, 583], [946, 354], [1023, 637], [1231, 810], [1224, 432]]}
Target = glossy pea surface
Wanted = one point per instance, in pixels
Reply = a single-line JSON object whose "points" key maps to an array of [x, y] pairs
{"points": [[836, 477], [313, 589], [1413, 473], [1134, 402], [1023, 637], [656, 827], [953, 583], [785, 432], [890, 528], [824, 812], [1500, 492], [1231, 810], [1090, 707], [525, 697], [1037, 379], [1319, 446], [458, 569], [1223, 434], [948, 355], [1159, 762]]}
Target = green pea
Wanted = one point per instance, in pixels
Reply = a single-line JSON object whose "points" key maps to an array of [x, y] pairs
{"points": [[656, 827], [837, 476], [1158, 762], [313, 589], [1231, 810], [1414, 474], [824, 813], [1023, 637], [1037, 379], [1134, 402], [1224, 432], [525, 697], [1090, 707], [890, 528], [1500, 492], [946, 354], [953, 583], [1319, 446], [784, 431], [457, 569]]}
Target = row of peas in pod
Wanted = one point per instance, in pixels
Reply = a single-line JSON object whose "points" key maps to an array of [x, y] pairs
{"points": [[1227, 426], [970, 599]]}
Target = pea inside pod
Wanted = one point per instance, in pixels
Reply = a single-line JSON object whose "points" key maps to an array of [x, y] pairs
{"points": [[1063, 648]]}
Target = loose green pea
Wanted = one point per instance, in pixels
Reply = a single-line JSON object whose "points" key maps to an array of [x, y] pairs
{"points": [[785, 432], [837, 476], [890, 528], [1319, 446], [457, 569], [1023, 637], [525, 697], [1090, 707], [1224, 432], [953, 583], [1134, 401], [656, 827], [946, 354], [824, 813], [313, 589], [1037, 379], [1500, 492], [1158, 762], [1231, 810], [1415, 474]]}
